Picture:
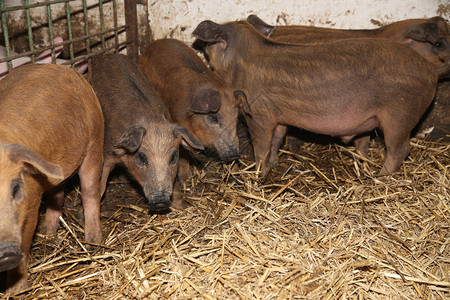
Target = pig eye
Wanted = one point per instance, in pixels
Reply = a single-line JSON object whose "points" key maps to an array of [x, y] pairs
{"points": [[212, 119], [16, 190], [173, 158], [141, 159], [439, 44]]}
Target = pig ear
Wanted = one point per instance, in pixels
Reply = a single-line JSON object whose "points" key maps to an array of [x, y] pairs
{"points": [[206, 101], [241, 99], [423, 32], [130, 141], [33, 163], [188, 139], [260, 25], [209, 31]]}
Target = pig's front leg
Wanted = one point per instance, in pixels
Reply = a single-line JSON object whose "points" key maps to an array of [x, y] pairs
{"points": [[277, 140], [261, 132], [183, 173], [55, 202]]}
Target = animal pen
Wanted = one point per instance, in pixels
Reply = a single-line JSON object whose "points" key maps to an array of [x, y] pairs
{"points": [[321, 226]]}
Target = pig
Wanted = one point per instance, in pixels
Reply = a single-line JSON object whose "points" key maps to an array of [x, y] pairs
{"points": [[195, 97], [139, 132], [426, 36], [344, 88], [51, 125]]}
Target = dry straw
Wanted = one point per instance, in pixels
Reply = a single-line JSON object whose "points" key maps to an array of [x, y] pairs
{"points": [[320, 227]]}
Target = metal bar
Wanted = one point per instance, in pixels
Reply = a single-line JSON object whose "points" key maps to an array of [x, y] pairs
{"points": [[88, 42], [30, 31], [116, 35], [102, 21], [132, 34], [50, 29], [69, 29], [5, 33], [120, 29]]}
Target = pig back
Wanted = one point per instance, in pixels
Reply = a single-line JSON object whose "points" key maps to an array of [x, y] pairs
{"points": [[177, 73], [52, 110], [125, 95]]}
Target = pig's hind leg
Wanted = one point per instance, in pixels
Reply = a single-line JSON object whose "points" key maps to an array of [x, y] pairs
{"points": [[90, 176]]}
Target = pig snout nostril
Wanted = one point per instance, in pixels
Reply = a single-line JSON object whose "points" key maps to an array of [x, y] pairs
{"points": [[159, 201], [10, 257], [230, 156]]}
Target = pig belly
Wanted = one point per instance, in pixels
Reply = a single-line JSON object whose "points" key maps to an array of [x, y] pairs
{"points": [[342, 126]]}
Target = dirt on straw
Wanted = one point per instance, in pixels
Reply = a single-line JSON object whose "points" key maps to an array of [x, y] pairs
{"points": [[320, 227]]}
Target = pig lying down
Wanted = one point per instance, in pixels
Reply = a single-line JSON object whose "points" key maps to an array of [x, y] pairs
{"points": [[51, 125], [344, 88], [139, 133], [195, 97]]}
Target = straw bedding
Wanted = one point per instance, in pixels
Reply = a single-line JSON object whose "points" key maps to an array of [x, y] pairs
{"points": [[320, 227]]}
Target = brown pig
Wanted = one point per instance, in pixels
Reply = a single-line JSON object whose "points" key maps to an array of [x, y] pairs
{"points": [[194, 95], [345, 88], [429, 37], [138, 130], [51, 125]]}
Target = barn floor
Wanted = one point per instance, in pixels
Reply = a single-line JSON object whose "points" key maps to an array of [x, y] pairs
{"points": [[320, 227]]}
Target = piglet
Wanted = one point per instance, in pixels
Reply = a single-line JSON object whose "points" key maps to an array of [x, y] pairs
{"points": [[138, 130], [195, 97], [51, 126], [345, 88]]}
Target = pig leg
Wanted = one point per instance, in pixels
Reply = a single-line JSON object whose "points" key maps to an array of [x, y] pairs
{"points": [[397, 148], [262, 143], [177, 196], [277, 140], [362, 145], [183, 174], [55, 204], [16, 279], [107, 167], [90, 173]]}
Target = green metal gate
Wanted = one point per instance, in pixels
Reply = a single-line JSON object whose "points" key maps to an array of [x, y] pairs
{"points": [[108, 34]]}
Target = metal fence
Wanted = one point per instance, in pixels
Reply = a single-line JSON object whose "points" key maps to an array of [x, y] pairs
{"points": [[96, 34]]}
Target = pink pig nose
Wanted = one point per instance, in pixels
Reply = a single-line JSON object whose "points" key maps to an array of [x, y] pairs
{"points": [[10, 256]]}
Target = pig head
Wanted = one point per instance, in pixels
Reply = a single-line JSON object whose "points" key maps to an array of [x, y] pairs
{"points": [[17, 165], [195, 96], [150, 152], [428, 37], [138, 130]]}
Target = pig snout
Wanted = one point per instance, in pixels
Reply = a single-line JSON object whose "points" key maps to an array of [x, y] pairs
{"points": [[158, 201], [229, 155], [10, 256]]}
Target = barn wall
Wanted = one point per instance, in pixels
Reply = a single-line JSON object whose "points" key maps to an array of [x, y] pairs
{"points": [[177, 19]]}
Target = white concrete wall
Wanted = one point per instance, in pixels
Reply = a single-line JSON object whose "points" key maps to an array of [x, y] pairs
{"points": [[178, 18]]}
